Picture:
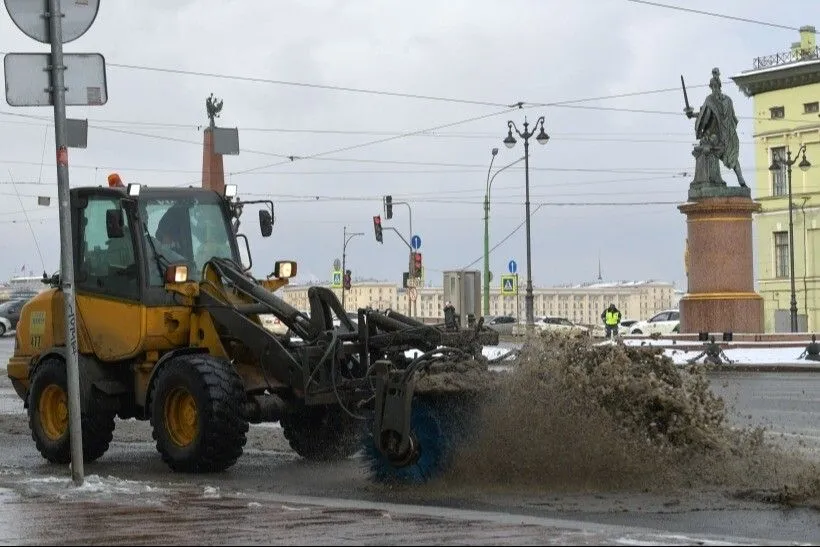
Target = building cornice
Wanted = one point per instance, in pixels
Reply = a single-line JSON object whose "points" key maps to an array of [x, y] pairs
{"points": [[754, 82]]}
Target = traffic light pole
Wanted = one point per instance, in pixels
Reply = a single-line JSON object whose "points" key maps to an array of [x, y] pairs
{"points": [[346, 238]]}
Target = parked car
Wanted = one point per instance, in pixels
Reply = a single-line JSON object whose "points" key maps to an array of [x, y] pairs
{"points": [[561, 324], [502, 323], [10, 314], [626, 326], [665, 322], [273, 324]]}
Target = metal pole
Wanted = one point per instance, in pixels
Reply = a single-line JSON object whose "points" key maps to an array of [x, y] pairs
{"points": [[344, 246], [793, 301], [487, 233], [528, 299], [486, 303], [347, 238], [517, 300], [66, 242]]}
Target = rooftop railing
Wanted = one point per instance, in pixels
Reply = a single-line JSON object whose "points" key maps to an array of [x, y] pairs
{"points": [[787, 57]]}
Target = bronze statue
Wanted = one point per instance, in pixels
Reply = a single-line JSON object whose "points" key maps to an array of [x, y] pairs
{"points": [[213, 107], [716, 129]]}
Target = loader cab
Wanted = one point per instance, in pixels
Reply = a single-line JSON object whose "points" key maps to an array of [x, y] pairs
{"points": [[126, 242]]}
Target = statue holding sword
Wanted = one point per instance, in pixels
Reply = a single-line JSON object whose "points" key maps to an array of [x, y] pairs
{"points": [[716, 129]]}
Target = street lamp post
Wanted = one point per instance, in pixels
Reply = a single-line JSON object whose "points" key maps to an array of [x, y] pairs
{"points": [[509, 142], [346, 238], [486, 305], [487, 230], [804, 166]]}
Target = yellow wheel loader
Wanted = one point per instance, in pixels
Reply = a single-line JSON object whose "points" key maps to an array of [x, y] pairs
{"points": [[169, 330]]}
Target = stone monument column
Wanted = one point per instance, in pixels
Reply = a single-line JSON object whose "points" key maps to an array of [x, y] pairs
{"points": [[213, 171], [720, 295]]}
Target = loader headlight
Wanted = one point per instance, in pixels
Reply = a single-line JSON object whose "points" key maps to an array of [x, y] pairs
{"points": [[176, 273], [284, 269], [230, 191]]}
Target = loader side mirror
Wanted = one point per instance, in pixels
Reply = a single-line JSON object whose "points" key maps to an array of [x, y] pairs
{"points": [[265, 222], [114, 223], [284, 269]]}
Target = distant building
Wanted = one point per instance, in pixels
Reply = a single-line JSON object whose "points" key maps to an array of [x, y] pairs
{"points": [[785, 88], [25, 287], [579, 303]]}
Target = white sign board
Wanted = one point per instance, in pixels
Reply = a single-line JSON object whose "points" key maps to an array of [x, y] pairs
{"points": [[30, 17], [28, 79]]}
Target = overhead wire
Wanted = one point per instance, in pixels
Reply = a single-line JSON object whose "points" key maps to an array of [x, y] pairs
{"points": [[714, 14]]}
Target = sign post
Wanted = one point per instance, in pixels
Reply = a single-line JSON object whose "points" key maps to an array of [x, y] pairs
{"points": [[45, 22]]}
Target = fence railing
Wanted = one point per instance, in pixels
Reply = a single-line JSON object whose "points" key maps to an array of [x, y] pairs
{"points": [[786, 57]]}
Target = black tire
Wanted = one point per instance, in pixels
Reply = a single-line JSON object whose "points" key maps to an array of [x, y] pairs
{"points": [[196, 414], [636, 331], [323, 433], [48, 416], [2, 329]]}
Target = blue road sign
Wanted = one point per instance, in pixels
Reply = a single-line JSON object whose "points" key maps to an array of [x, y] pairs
{"points": [[415, 242], [512, 266]]}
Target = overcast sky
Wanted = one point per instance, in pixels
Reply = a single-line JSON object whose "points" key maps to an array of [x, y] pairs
{"points": [[482, 54]]}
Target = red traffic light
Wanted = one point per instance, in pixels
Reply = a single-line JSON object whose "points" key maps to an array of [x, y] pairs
{"points": [[417, 264], [377, 228]]}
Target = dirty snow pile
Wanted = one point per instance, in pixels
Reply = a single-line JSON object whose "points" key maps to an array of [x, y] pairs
{"points": [[571, 415]]}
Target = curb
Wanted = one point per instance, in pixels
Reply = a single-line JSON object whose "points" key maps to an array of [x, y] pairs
{"points": [[766, 367]]}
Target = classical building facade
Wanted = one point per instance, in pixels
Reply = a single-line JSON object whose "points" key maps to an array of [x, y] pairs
{"points": [[785, 90], [581, 304]]}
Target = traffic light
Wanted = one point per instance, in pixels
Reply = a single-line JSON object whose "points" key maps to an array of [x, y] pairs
{"points": [[388, 207], [417, 264], [377, 227], [346, 280]]}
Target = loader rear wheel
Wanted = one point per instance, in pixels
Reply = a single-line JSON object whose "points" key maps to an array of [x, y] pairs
{"points": [[323, 433], [196, 414], [48, 417]]}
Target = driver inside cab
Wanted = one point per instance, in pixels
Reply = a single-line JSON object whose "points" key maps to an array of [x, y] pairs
{"points": [[169, 237]]}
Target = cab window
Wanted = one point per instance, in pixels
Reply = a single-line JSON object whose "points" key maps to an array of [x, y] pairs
{"points": [[188, 231], [106, 265]]}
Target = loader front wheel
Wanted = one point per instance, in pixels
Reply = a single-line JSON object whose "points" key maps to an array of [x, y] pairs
{"points": [[196, 414], [323, 433], [48, 417]]}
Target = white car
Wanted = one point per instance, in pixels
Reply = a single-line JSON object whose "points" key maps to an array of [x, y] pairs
{"points": [[665, 322], [272, 323], [560, 324]]}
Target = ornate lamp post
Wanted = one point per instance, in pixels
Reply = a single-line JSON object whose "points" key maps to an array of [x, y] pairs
{"points": [[804, 166], [509, 142]]}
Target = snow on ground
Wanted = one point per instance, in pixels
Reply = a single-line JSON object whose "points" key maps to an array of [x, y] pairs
{"points": [[745, 355]]}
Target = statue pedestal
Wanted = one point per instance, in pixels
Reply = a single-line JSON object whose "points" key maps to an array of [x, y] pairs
{"points": [[720, 266]]}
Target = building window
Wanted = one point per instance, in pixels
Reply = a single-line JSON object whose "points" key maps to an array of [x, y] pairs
{"points": [[781, 254], [778, 112], [811, 108], [779, 176]]}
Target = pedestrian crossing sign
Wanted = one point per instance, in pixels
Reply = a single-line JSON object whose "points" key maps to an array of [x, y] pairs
{"points": [[509, 284], [337, 278]]}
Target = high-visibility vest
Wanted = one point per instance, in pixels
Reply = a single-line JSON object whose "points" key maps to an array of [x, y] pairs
{"points": [[612, 317]]}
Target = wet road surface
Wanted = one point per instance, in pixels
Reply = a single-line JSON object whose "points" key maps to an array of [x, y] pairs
{"points": [[271, 496]]}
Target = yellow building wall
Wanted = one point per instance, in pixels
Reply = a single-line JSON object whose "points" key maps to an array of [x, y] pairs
{"points": [[796, 128]]}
